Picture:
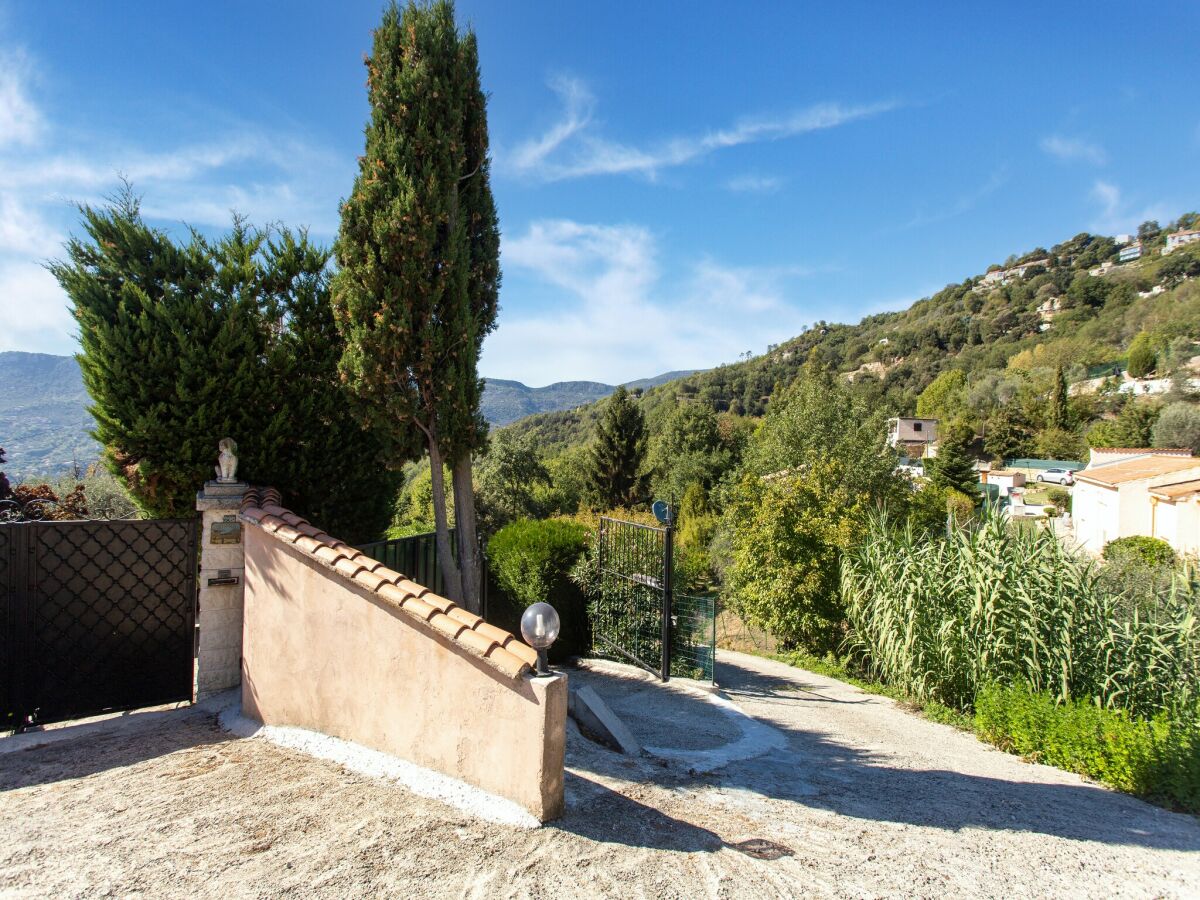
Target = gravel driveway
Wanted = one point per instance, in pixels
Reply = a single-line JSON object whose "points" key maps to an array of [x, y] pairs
{"points": [[856, 797]]}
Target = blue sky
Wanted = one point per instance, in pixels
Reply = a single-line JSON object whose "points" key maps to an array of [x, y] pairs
{"points": [[677, 183]]}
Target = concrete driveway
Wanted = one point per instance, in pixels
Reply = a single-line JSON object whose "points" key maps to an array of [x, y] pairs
{"points": [[795, 785]]}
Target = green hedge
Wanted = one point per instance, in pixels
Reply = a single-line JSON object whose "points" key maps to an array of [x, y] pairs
{"points": [[530, 561], [1158, 758], [1141, 549]]}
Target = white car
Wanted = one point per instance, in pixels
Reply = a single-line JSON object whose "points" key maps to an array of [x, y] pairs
{"points": [[1057, 476]]}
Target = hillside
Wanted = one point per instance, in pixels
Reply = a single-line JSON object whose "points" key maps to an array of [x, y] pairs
{"points": [[44, 421], [507, 401], [1039, 310]]}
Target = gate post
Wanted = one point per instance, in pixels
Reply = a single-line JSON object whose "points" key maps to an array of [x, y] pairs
{"points": [[221, 584], [668, 588]]}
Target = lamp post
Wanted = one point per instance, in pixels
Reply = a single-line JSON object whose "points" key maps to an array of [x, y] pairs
{"points": [[540, 626]]}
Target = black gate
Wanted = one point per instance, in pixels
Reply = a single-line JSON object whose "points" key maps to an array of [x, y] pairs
{"points": [[637, 613], [95, 616]]}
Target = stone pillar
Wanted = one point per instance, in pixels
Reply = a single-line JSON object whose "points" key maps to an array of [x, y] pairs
{"points": [[222, 577]]}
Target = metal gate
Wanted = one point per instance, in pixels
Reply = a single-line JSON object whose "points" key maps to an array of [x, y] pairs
{"points": [[95, 616], [638, 616]]}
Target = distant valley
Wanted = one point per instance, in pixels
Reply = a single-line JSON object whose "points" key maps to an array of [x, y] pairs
{"points": [[44, 421]]}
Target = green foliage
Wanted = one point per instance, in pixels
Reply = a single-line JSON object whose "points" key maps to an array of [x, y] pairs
{"points": [[1133, 427], [505, 480], [615, 477], [532, 563], [1058, 443], [690, 449], [1060, 497], [1142, 358], [1158, 758], [1147, 551], [183, 345], [941, 618], [1178, 426], [816, 467], [945, 397], [5, 487], [418, 254], [1059, 414], [954, 466]]}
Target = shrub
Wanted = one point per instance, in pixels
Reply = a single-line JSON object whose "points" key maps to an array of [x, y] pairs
{"points": [[532, 561], [1157, 758], [1060, 498], [1137, 548]]}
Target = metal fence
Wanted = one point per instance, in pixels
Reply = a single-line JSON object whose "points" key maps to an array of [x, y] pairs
{"points": [[693, 636], [95, 616], [414, 556]]}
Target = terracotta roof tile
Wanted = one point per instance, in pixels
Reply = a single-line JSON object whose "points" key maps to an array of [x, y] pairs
{"points": [[457, 612], [508, 663], [263, 507], [478, 642], [1137, 469], [369, 580], [348, 567], [447, 625]]}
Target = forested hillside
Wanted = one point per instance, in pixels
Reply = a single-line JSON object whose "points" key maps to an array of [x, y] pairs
{"points": [[1006, 335], [506, 401]]}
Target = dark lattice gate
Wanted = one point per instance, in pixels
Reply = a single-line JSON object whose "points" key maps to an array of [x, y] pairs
{"points": [[95, 616]]}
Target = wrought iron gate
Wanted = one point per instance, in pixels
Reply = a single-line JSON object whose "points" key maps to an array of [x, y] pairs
{"points": [[95, 616], [637, 615]]}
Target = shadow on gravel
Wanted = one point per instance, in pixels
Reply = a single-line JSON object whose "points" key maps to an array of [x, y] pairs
{"points": [[814, 771], [612, 818], [128, 744]]}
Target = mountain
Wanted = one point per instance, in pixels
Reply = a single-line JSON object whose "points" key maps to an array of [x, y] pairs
{"points": [[508, 401], [1077, 305], [44, 421]]}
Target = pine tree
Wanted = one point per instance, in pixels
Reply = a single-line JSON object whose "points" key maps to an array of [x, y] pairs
{"points": [[418, 252], [953, 468], [616, 477]]}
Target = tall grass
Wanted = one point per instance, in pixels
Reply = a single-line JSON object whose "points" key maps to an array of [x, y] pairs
{"points": [[993, 604]]}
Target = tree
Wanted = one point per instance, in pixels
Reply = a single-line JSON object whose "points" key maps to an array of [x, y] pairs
{"points": [[1132, 427], [418, 251], [945, 398], [185, 344], [954, 466], [1179, 426], [816, 467], [615, 475], [1059, 414], [1148, 231], [690, 450], [505, 480], [1177, 267], [1008, 433], [1141, 356]]}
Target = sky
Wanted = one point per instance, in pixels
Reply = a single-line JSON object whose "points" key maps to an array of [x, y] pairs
{"points": [[678, 183]]}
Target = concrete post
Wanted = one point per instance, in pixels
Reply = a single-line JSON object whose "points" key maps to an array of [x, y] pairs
{"points": [[222, 583]]}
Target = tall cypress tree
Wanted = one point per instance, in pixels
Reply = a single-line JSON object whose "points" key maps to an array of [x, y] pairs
{"points": [[418, 255], [1059, 414], [616, 477]]}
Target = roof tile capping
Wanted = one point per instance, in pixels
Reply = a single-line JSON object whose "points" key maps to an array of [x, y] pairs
{"points": [[503, 651]]}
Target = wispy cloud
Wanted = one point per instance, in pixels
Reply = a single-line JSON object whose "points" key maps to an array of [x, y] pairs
{"points": [[265, 176], [20, 121], [616, 308], [1117, 215], [960, 205], [570, 148], [754, 184], [1071, 149]]}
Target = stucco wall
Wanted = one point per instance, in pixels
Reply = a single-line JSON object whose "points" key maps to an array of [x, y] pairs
{"points": [[323, 653], [1095, 510]]}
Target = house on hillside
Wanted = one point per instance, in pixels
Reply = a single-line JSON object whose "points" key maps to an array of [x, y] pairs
{"points": [[1049, 308], [1122, 239], [1005, 480], [1004, 276], [1131, 252], [1177, 239], [1134, 491], [1103, 269], [915, 438]]}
